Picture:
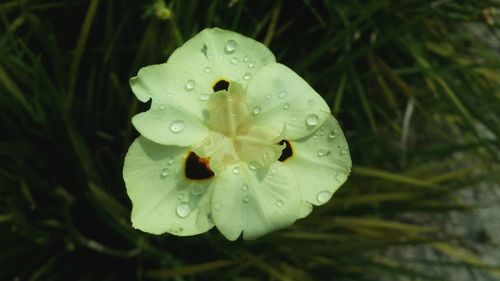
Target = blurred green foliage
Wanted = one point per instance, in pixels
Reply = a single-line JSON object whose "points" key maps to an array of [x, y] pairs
{"points": [[415, 84]]}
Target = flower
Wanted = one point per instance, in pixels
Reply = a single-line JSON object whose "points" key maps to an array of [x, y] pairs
{"points": [[232, 139]]}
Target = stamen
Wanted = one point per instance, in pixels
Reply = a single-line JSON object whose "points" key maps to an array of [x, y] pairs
{"points": [[221, 85], [197, 168], [287, 152]]}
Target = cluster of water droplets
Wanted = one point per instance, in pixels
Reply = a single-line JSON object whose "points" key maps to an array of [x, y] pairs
{"points": [[229, 49]]}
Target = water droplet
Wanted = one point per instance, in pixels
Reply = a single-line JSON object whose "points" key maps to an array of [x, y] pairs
{"points": [[247, 199], [315, 137], [332, 135], [294, 117], [282, 94], [286, 106], [169, 95], [256, 110], [279, 203], [236, 170], [217, 205], [246, 58], [312, 120], [177, 126], [273, 170], [323, 196], [343, 151], [247, 76], [253, 165], [323, 153], [207, 69], [170, 161], [341, 177], [268, 96], [231, 46], [204, 97], [165, 172], [197, 190], [161, 106], [180, 196], [251, 65], [244, 187], [183, 210], [234, 60], [190, 85], [311, 102]]}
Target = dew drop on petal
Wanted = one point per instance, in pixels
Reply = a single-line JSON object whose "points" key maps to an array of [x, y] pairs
{"points": [[246, 199], [169, 95], [322, 153], [341, 177], [279, 203], [247, 76], [343, 151], [323, 196], [282, 94], [253, 165], [177, 126], [190, 85], [246, 58], [234, 60], [231, 46], [204, 97], [170, 161], [332, 135], [286, 106], [180, 196], [311, 102], [161, 106], [244, 187], [268, 96], [251, 65], [257, 110], [164, 173], [236, 170], [312, 120], [217, 205], [183, 210], [197, 190], [207, 69]]}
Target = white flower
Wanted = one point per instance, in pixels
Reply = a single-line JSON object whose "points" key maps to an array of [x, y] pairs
{"points": [[232, 139]]}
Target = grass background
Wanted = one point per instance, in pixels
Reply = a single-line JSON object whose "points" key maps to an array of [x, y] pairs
{"points": [[414, 83]]}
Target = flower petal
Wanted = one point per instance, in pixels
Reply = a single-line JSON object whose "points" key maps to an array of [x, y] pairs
{"points": [[163, 199], [223, 55], [278, 96], [321, 162], [255, 202], [177, 110]]}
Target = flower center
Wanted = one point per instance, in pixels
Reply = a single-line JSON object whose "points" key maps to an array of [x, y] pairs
{"points": [[234, 136]]}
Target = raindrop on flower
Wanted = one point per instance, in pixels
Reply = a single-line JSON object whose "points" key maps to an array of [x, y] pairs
{"points": [[268, 96], [312, 120], [343, 151], [207, 69], [251, 65], [180, 196], [161, 106], [332, 135], [231, 46], [244, 187], [282, 94], [197, 190], [256, 110], [286, 106], [246, 58], [311, 102], [246, 199], [177, 126], [204, 97], [169, 95], [234, 60], [164, 172], [236, 170], [279, 203], [170, 161], [323, 153], [253, 165], [247, 76], [183, 210], [190, 85], [323, 196], [217, 205], [341, 177]]}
